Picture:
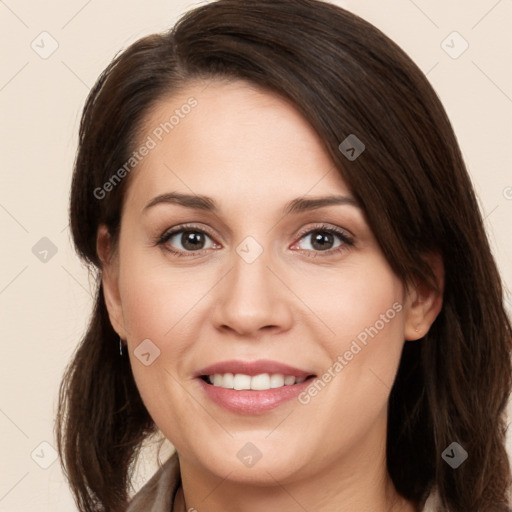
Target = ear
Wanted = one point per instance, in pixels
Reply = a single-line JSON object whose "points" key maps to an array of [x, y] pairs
{"points": [[110, 279], [424, 301]]}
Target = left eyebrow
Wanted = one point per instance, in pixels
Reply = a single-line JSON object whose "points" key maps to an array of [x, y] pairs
{"points": [[300, 204]]}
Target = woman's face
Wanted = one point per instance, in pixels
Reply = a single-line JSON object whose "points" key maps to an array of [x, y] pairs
{"points": [[257, 278]]}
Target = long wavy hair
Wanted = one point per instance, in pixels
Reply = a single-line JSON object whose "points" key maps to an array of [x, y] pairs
{"points": [[345, 77]]}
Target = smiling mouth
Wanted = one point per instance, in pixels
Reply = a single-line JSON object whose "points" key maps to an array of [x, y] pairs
{"points": [[260, 382]]}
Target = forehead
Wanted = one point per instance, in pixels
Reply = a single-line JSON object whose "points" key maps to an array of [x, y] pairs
{"points": [[232, 141]]}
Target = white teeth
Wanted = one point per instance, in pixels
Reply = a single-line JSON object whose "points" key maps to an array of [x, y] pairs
{"points": [[217, 379], [227, 380], [242, 381], [289, 380], [277, 380], [260, 382]]}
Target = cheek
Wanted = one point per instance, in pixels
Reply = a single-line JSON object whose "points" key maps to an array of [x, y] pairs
{"points": [[361, 309], [359, 301], [158, 306], [149, 305], [163, 305], [156, 299]]}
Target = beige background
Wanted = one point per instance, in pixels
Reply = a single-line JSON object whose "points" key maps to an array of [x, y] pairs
{"points": [[45, 306]]}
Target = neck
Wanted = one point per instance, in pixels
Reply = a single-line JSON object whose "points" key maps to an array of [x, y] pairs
{"points": [[394, 502], [358, 481]]}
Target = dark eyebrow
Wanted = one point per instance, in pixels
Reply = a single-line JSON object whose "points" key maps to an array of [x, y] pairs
{"points": [[206, 203], [301, 204], [188, 200]]}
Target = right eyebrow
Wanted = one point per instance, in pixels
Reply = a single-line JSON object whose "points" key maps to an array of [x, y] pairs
{"points": [[190, 201]]}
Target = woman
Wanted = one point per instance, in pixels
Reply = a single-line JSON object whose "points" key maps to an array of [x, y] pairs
{"points": [[295, 285]]}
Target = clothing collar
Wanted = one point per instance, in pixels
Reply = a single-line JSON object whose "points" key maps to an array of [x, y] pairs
{"points": [[157, 495]]}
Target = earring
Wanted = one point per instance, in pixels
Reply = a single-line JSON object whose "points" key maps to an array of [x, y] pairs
{"points": [[120, 346]]}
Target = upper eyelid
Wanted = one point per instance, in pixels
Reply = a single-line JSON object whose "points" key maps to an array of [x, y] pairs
{"points": [[325, 226], [186, 227]]}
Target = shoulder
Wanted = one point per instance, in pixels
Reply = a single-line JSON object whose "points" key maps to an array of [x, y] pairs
{"points": [[157, 495], [432, 504]]}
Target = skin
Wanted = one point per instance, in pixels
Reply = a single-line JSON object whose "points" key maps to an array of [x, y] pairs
{"points": [[252, 152]]}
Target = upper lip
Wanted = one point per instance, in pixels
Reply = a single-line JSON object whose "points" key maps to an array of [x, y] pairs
{"points": [[252, 368]]}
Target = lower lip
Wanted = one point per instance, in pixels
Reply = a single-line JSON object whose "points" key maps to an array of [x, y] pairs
{"points": [[252, 401]]}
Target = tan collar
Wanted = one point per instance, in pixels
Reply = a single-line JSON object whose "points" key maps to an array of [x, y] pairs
{"points": [[157, 495]]}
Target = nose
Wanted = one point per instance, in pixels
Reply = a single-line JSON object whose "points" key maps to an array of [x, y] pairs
{"points": [[253, 298]]}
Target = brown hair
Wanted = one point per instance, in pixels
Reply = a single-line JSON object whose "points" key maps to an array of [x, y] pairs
{"points": [[345, 77]]}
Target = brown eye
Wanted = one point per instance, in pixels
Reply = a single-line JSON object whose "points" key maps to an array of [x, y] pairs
{"points": [[183, 240], [321, 240], [192, 240], [325, 239]]}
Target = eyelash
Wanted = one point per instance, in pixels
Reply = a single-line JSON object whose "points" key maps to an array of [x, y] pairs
{"points": [[343, 236]]}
